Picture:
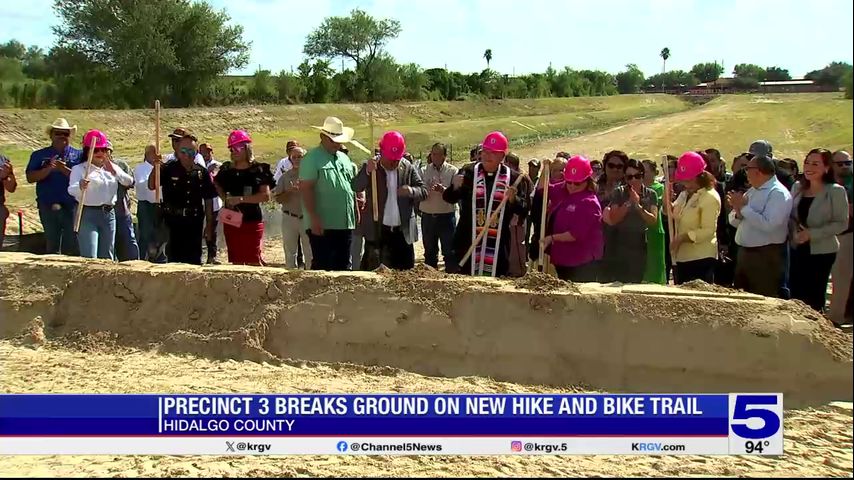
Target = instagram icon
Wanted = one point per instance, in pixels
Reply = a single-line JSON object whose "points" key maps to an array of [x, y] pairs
{"points": [[516, 446]]}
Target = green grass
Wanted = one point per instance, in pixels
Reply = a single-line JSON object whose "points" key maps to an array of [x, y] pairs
{"points": [[793, 123], [460, 123]]}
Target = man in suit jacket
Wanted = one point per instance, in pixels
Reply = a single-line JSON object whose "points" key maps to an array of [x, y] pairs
{"points": [[399, 189]]}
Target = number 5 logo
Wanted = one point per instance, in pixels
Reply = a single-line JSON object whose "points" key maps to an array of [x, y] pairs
{"points": [[750, 406]]}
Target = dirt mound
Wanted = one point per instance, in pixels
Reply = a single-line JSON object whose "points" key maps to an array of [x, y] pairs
{"points": [[702, 286], [616, 338], [542, 282]]}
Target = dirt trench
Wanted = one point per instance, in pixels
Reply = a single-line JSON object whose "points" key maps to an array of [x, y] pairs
{"points": [[532, 331]]}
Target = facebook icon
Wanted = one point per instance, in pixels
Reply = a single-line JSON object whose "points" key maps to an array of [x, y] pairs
{"points": [[342, 446]]}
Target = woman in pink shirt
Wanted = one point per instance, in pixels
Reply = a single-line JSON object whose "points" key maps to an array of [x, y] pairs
{"points": [[574, 227]]}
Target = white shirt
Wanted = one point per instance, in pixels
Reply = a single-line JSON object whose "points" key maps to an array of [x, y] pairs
{"points": [[103, 185], [217, 202], [434, 204], [199, 160], [283, 166], [391, 212], [140, 180]]}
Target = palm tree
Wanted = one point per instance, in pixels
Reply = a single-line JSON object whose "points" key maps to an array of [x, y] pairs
{"points": [[488, 56], [665, 54]]}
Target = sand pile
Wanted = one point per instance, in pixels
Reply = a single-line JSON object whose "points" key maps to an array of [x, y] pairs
{"points": [[535, 330], [542, 282], [702, 286]]}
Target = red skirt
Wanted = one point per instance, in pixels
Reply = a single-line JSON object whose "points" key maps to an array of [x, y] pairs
{"points": [[244, 243]]}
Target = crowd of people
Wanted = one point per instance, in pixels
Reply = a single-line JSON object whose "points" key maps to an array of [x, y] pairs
{"points": [[763, 226]]}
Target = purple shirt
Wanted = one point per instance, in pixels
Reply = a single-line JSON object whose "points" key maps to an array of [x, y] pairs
{"points": [[581, 215]]}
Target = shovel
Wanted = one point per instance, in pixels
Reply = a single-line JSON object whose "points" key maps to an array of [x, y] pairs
{"points": [[372, 257]]}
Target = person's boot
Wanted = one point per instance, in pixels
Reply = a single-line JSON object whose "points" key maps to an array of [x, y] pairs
{"points": [[213, 261]]}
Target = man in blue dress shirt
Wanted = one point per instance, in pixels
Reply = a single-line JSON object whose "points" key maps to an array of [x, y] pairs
{"points": [[761, 217], [49, 169]]}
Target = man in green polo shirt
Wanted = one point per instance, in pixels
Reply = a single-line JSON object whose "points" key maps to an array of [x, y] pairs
{"points": [[328, 201]]}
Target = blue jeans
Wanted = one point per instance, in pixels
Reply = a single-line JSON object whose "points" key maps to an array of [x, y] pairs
{"points": [[126, 246], [97, 233], [436, 228], [58, 228], [151, 247]]}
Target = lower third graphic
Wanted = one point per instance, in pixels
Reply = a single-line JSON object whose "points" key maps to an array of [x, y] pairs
{"points": [[342, 446]]}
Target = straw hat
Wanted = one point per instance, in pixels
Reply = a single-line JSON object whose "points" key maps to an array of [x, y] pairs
{"points": [[336, 131], [61, 124]]}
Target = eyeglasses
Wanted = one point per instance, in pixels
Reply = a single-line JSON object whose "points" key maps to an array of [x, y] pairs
{"points": [[61, 133], [237, 148], [615, 166], [637, 176], [844, 163]]}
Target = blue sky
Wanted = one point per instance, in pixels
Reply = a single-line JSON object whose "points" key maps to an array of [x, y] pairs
{"points": [[526, 35]]}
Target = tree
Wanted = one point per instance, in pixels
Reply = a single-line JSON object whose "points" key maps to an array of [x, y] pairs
{"points": [[359, 37], [538, 86], [153, 48], [674, 79], [289, 88], [707, 72], [777, 74], [749, 70], [745, 83], [317, 80], [13, 49], [831, 75], [600, 83], [34, 63], [414, 82], [262, 89], [849, 86], [488, 56], [630, 81], [665, 54], [10, 70]]}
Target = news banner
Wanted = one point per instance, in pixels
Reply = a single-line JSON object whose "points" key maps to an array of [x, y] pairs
{"points": [[720, 424]]}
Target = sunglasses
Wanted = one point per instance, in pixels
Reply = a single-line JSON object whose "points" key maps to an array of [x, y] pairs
{"points": [[844, 163], [637, 176], [60, 133], [188, 151], [237, 148], [616, 166], [578, 184], [101, 150]]}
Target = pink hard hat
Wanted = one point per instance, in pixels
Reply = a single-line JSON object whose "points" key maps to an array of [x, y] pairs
{"points": [[237, 137], [577, 169], [392, 146], [496, 142], [689, 166], [100, 139]]}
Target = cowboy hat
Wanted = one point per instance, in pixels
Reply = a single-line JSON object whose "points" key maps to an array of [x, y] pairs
{"points": [[61, 124], [336, 131]]}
